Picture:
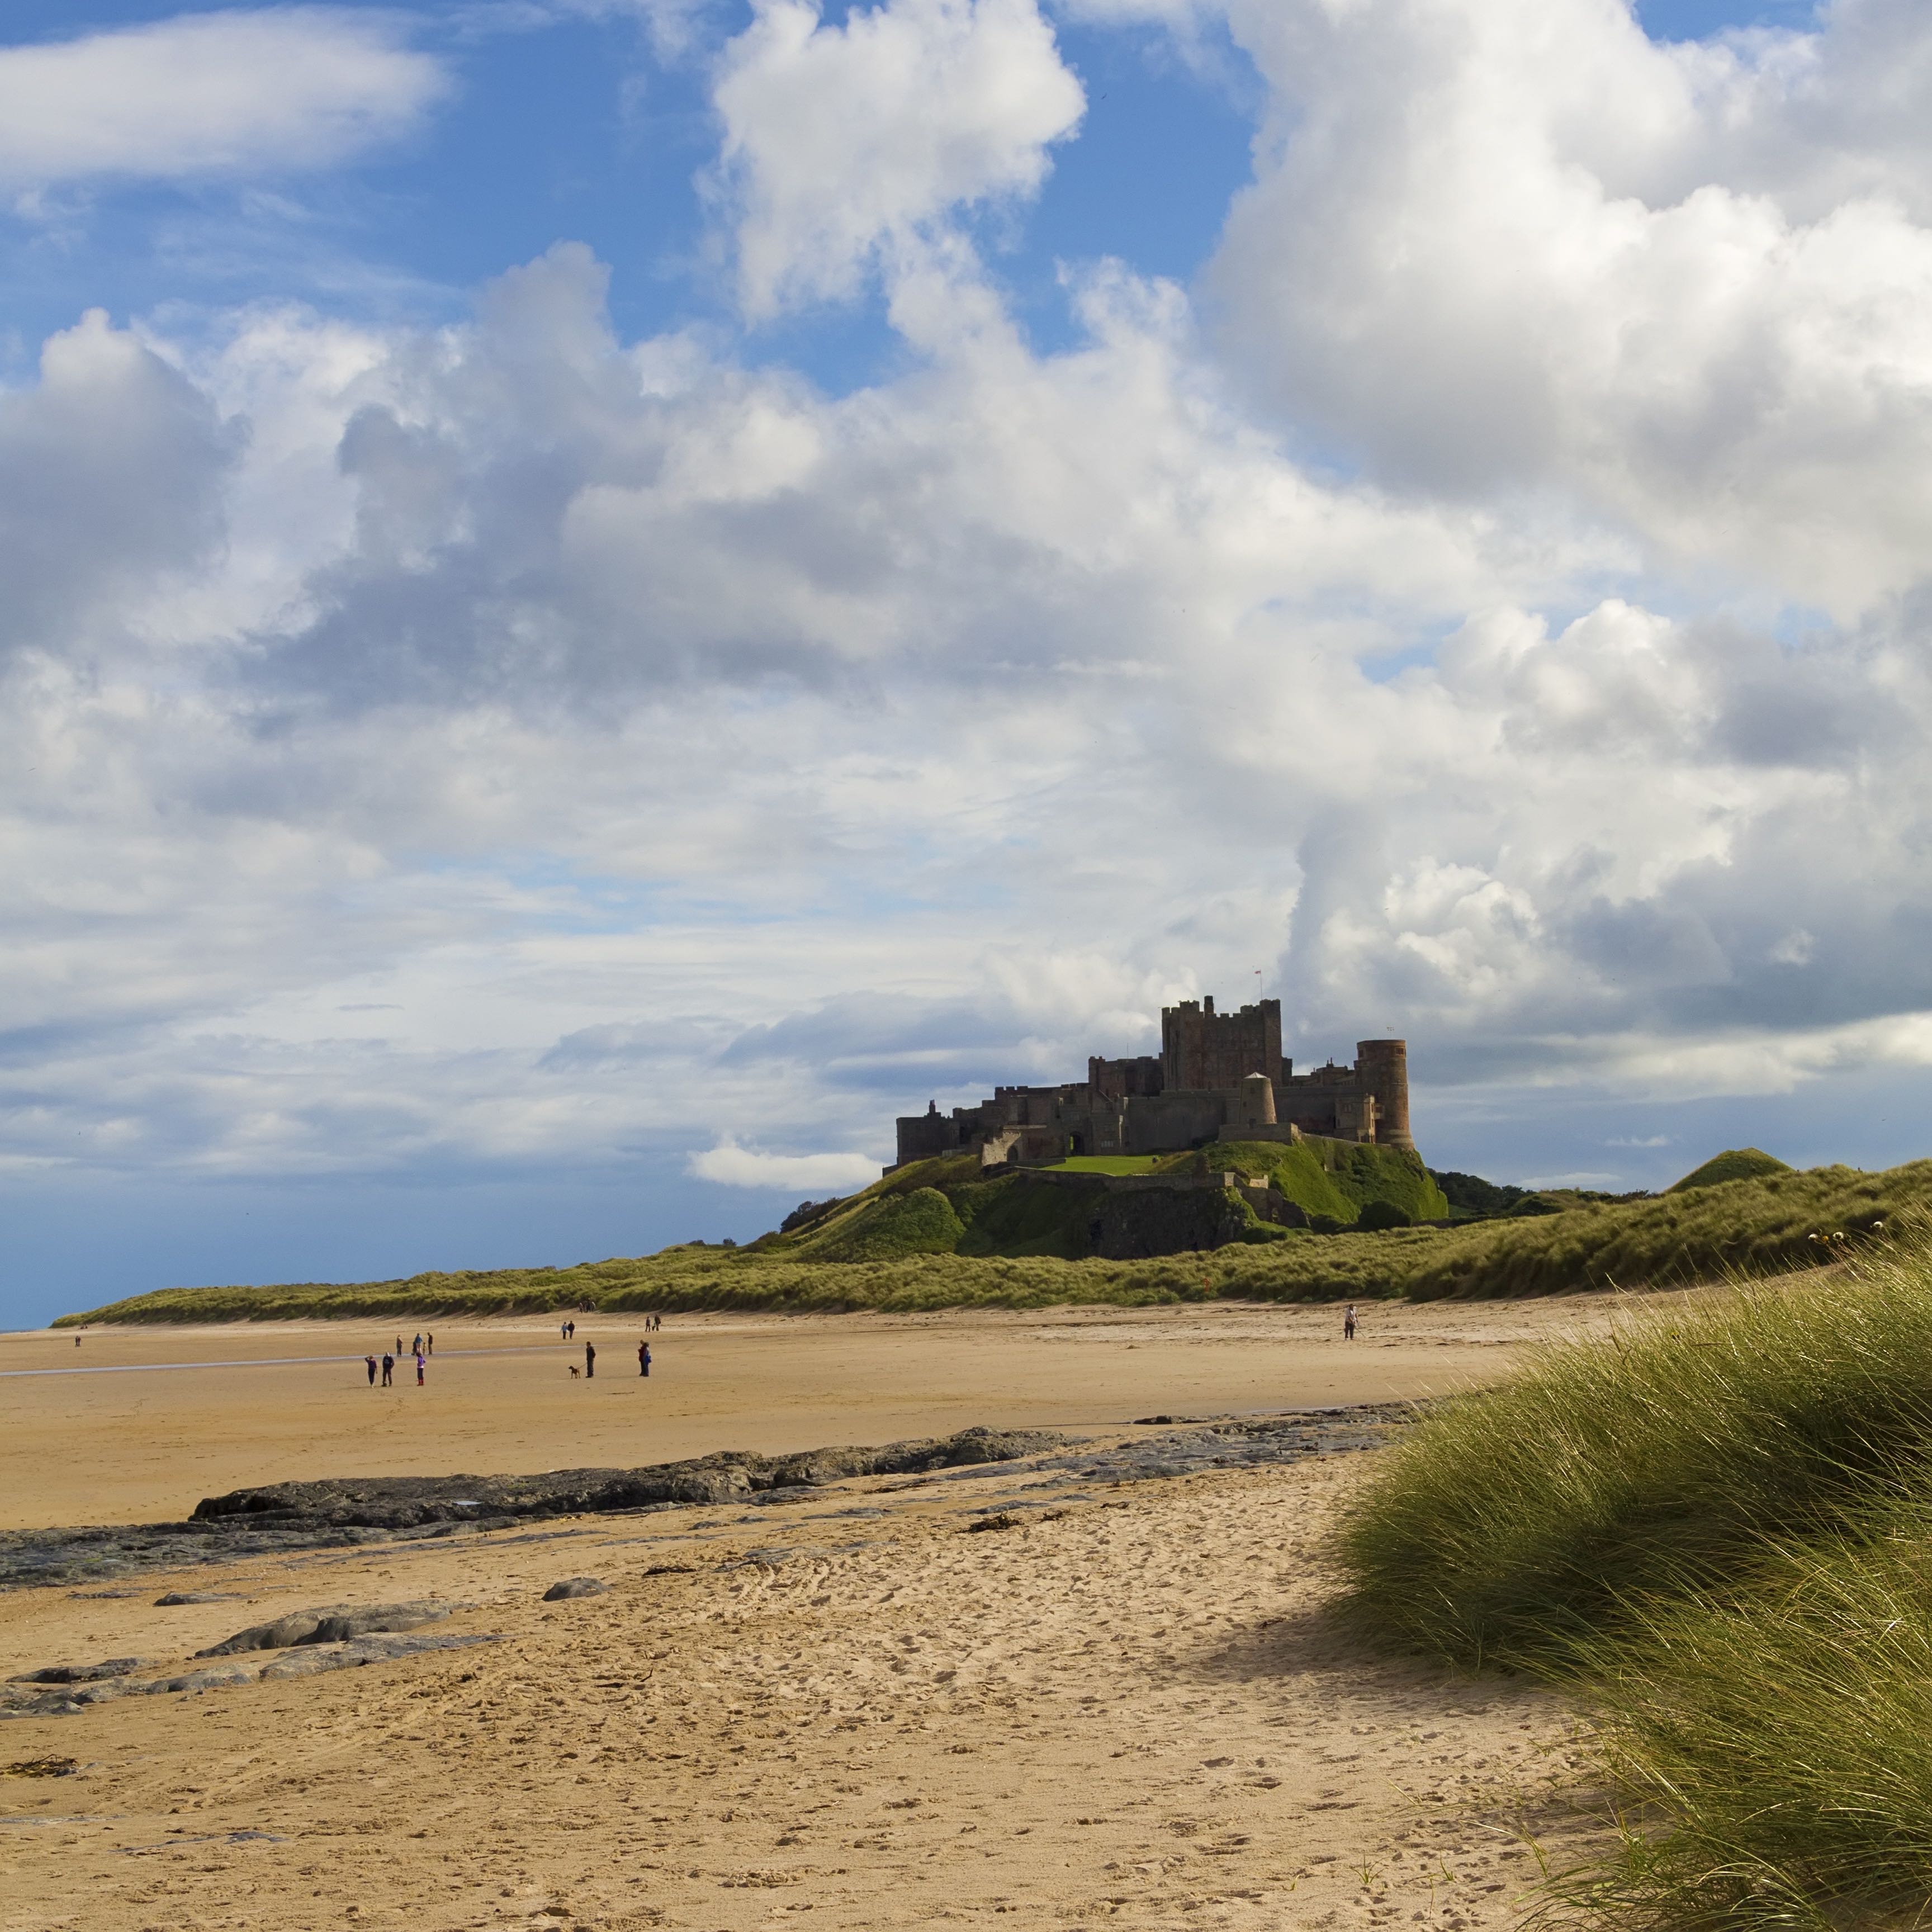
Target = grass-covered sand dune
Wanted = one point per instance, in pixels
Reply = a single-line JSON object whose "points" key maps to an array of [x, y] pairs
{"points": [[1716, 1528], [909, 1243]]}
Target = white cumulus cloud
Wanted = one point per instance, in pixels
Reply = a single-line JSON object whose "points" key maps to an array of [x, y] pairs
{"points": [[1514, 246], [211, 93], [734, 1166], [841, 141]]}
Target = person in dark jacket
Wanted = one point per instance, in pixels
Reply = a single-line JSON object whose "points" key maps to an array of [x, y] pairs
{"points": [[590, 1359]]}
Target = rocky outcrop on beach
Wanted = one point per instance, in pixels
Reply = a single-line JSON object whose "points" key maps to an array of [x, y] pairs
{"points": [[336, 1624], [573, 1587], [276, 1518], [25, 1698], [412, 1502]]}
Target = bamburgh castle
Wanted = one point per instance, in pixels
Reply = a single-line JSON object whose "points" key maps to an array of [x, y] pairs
{"points": [[1216, 1074]]}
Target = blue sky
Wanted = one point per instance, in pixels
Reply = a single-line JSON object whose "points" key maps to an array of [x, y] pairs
{"points": [[576, 127], [619, 592], [579, 129]]}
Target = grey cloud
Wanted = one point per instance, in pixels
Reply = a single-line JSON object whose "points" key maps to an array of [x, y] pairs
{"points": [[622, 1045], [893, 1045], [553, 521], [110, 475]]}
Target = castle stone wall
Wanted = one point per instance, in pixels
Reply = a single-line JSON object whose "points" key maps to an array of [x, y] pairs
{"points": [[1165, 1122], [1118, 1079]]}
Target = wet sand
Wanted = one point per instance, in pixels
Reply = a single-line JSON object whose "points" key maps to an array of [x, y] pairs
{"points": [[145, 1442]]}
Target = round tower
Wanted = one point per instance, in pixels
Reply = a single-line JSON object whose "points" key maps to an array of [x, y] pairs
{"points": [[1382, 1066]]}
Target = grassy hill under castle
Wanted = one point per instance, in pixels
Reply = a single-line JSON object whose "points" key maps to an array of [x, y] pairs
{"points": [[951, 1205]]}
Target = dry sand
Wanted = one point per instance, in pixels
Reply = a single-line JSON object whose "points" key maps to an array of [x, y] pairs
{"points": [[1133, 1707]]}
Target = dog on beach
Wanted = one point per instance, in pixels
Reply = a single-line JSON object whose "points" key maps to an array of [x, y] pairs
{"points": [[574, 1371]]}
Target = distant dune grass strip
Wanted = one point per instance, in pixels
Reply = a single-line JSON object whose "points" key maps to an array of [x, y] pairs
{"points": [[1742, 1227], [1716, 1528]]}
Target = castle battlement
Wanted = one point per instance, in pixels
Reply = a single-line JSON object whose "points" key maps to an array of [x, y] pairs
{"points": [[1216, 1072]]}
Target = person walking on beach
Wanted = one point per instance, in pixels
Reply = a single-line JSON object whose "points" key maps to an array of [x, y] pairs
{"points": [[419, 1368], [1349, 1323], [399, 1344], [431, 1349], [590, 1358], [643, 1358], [388, 1368], [415, 1347], [371, 1361]]}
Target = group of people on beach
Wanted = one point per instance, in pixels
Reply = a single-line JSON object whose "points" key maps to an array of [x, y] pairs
{"points": [[424, 1346], [590, 1355], [388, 1362]]}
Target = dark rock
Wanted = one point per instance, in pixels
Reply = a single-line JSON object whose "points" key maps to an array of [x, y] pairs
{"points": [[80, 1673], [575, 1586], [336, 1624], [178, 1597], [364, 1651], [223, 1678], [308, 1662]]}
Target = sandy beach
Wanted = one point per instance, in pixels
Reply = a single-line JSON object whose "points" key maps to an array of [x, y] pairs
{"points": [[891, 1701], [139, 1423]]}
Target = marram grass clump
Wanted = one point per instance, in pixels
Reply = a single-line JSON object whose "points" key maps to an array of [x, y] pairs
{"points": [[1715, 1527], [1650, 1464], [1771, 1746]]}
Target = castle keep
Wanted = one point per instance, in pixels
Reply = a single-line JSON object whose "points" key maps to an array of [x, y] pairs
{"points": [[1217, 1076]]}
